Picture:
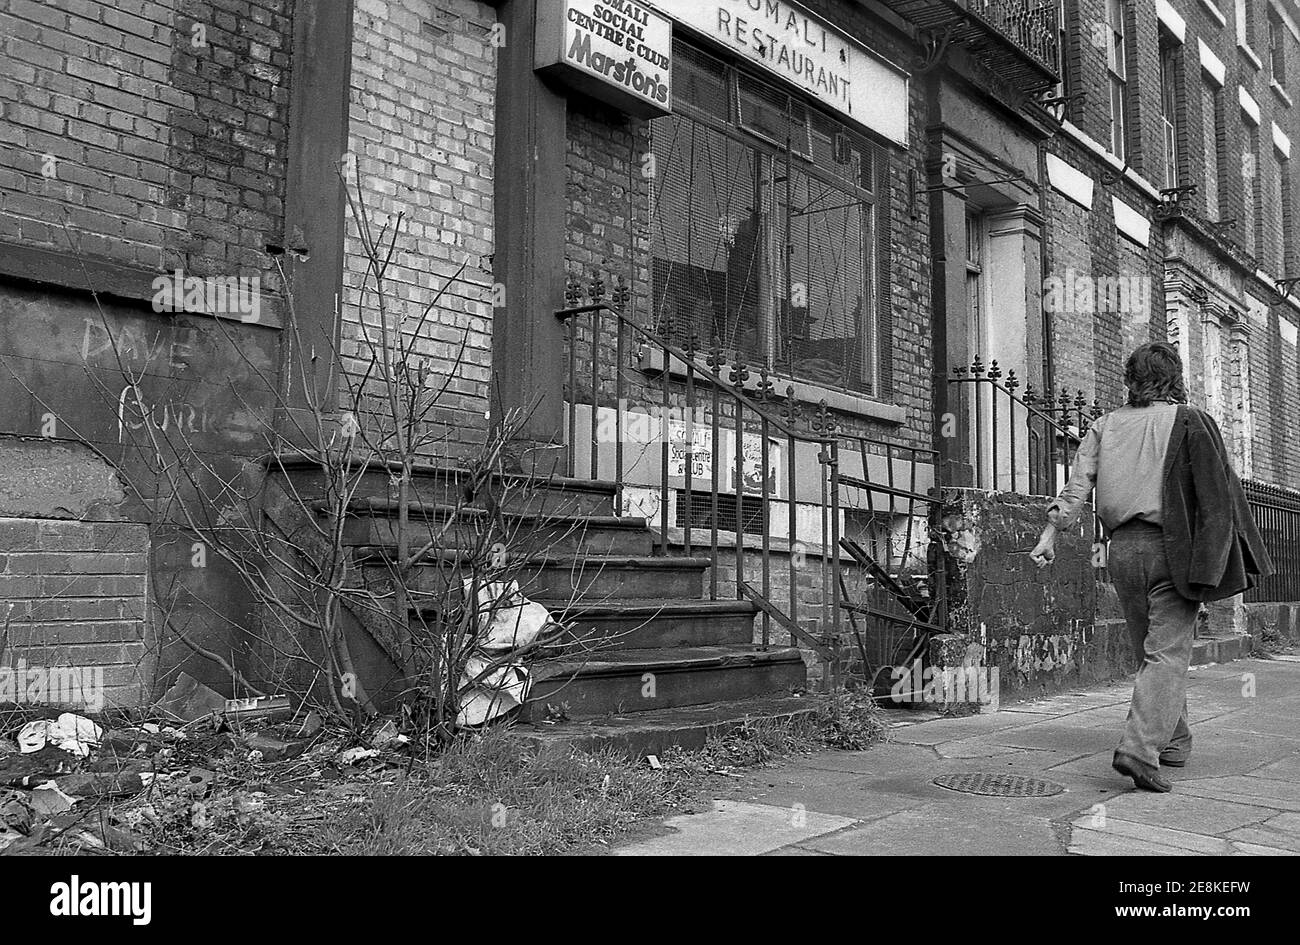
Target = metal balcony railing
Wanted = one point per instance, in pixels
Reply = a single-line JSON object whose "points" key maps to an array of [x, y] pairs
{"points": [[1018, 39]]}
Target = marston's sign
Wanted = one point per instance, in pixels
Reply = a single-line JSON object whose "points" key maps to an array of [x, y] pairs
{"points": [[616, 50], [807, 52]]}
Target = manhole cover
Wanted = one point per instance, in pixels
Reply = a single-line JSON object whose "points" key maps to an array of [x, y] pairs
{"points": [[999, 785]]}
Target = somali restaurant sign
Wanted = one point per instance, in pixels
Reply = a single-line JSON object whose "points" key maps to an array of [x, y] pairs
{"points": [[807, 52], [619, 51]]}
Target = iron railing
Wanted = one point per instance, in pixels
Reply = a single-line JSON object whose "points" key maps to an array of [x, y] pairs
{"points": [[1277, 515], [1018, 39], [1030, 25], [1016, 442], [704, 486]]}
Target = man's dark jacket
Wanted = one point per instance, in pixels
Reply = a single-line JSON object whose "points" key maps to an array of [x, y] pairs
{"points": [[1211, 542]]}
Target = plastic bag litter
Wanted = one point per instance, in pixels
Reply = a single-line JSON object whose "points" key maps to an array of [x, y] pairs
{"points": [[507, 619], [72, 733], [499, 692]]}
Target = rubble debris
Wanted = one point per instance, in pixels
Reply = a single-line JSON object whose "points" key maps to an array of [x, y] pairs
{"points": [[127, 741], [69, 732], [100, 784], [15, 812], [35, 767], [8, 747], [47, 799], [259, 708], [189, 700], [312, 724], [387, 736], [354, 755], [274, 749], [198, 782]]}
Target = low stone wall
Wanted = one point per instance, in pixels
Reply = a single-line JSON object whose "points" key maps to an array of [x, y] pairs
{"points": [[1044, 631], [1272, 623]]}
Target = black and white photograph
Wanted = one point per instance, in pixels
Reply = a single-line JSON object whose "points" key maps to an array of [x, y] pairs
{"points": [[647, 428]]}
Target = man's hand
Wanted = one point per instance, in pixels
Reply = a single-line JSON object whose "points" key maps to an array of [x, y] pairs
{"points": [[1044, 552]]}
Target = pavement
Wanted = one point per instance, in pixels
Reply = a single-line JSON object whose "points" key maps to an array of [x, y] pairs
{"points": [[1238, 796]]}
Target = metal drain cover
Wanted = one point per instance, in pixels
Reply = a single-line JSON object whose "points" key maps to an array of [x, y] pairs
{"points": [[999, 785]]}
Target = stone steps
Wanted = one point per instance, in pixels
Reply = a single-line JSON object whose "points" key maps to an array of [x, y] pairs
{"points": [[637, 734], [643, 641], [626, 681]]}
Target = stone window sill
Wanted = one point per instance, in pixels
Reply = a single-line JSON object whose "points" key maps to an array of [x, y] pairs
{"points": [[652, 362]]}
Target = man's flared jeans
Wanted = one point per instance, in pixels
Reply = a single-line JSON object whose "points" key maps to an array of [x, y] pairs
{"points": [[1161, 623]]}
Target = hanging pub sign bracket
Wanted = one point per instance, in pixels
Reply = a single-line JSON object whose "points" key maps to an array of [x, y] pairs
{"points": [[618, 51]]}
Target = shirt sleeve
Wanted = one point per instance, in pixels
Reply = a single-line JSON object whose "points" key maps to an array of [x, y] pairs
{"points": [[1083, 477]]}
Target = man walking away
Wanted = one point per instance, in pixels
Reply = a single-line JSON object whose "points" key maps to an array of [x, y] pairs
{"points": [[1180, 533]]}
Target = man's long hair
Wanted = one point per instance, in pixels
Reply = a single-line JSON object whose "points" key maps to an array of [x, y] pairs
{"points": [[1154, 372]]}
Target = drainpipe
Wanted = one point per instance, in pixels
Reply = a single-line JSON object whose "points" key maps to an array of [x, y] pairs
{"points": [[1044, 260]]}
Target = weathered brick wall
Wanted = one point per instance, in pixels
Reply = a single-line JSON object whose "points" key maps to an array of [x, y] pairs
{"points": [[1088, 57], [1089, 348], [157, 130], [75, 595], [73, 578], [421, 127]]}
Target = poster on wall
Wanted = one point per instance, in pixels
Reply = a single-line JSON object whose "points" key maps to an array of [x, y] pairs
{"points": [[619, 51], [700, 459]]}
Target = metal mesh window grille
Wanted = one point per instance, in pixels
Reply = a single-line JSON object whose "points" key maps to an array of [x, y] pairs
{"points": [[764, 227], [698, 512]]}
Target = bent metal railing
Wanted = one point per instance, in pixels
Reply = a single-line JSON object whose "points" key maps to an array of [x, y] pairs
{"points": [[689, 403]]}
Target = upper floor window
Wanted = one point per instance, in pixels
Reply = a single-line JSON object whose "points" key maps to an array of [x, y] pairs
{"points": [[1252, 193], [1066, 86], [1117, 70], [1277, 33], [1280, 198], [1169, 109], [1211, 126]]}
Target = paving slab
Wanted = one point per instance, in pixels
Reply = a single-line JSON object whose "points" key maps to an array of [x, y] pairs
{"points": [[1282, 831], [735, 828], [1239, 796], [929, 831], [1261, 792]]}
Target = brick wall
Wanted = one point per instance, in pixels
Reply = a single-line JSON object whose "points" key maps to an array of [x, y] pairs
{"points": [[157, 130], [421, 127], [75, 595]]}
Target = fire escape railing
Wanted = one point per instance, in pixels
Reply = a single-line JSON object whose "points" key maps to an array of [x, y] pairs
{"points": [[1030, 26]]}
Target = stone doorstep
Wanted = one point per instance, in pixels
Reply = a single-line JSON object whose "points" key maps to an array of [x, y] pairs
{"points": [[637, 734], [1223, 648]]}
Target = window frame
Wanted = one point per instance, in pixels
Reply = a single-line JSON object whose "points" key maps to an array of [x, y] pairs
{"points": [[1170, 59], [871, 377], [1117, 75], [1277, 34]]}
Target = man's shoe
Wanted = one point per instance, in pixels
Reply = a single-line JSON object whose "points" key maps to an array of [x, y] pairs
{"points": [[1147, 779], [1173, 761]]}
